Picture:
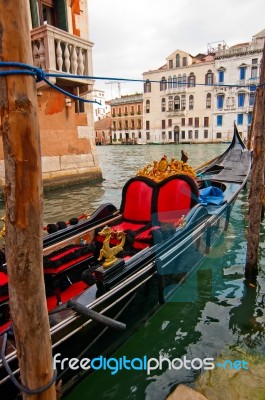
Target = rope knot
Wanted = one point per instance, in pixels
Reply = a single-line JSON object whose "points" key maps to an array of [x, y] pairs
{"points": [[40, 74]]}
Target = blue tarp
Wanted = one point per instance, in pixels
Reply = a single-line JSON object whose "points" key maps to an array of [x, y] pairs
{"points": [[211, 195]]}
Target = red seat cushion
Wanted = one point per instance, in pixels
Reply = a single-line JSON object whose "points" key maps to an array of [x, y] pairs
{"points": [[3, 279], [137, 200]]}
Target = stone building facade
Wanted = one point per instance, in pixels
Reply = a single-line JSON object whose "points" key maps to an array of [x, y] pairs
{"points": [[197, 99], [126, 114], [60, 44]]}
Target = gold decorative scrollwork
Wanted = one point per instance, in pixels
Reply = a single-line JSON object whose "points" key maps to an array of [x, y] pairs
{"points": [[160, 170]]}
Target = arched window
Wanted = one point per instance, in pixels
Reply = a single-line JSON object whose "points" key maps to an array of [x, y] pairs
{"points": [[191, 102], [209, 78], [208, 100], [163, 104], [120, 125], [170, 103], [174, 81], [191, 80], [147, 87], [163, 84], [147, 106], [177, 60], [176, 103], [170, 84], [242, 72]]}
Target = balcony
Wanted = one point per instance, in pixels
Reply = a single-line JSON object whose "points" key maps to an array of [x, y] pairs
{"points": [[176, 113], [57, 51]]}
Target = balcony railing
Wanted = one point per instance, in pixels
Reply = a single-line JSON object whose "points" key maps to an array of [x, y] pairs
{"points": [[55, 50]]}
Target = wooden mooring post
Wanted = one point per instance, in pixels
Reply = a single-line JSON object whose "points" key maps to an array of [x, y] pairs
{"points": [[23, 192], [257, 192]]}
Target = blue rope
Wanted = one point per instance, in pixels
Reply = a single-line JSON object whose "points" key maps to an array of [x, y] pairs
{"points": [[41, 75]]}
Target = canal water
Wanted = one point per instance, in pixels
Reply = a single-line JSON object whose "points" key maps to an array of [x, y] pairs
{"points": [[216, 314]]}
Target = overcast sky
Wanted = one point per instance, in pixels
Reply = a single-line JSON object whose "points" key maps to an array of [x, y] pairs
{"points": [[131, 37]]}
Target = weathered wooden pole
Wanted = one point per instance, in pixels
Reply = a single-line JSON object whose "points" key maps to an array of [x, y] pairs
{"points": [[257, 178], [23, 191]]}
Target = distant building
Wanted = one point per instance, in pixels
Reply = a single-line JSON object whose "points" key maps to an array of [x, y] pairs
{"points": [[196, 99], [127, 124], [240, 65], [102, 130], [100, 110]]}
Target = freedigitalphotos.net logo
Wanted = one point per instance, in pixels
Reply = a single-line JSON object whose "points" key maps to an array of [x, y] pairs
{"points": [[115, 365]]}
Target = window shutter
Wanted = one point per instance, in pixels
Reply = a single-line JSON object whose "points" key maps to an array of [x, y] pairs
{"points": [[34, 13], [61, 12]]}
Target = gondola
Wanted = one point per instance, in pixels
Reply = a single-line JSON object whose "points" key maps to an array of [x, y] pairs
{"points": [[106, 274]]}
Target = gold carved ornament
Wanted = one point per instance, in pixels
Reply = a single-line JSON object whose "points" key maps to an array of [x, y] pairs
{"points": [[107, 252], [160, 170]]}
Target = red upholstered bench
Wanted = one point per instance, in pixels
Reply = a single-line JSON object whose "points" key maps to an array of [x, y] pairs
{"points": [[173, 198], [137, 206], [146, 205]]}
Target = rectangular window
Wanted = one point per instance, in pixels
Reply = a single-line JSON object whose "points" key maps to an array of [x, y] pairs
{"points": [[184, 61], [147, 124], [241, 99], [190, 134], [182, 121], [220, 101], [250, 118], [147, 135], [182, 134], [196, 134], [205, 134], [251, 99], [219, 120], [163, 123], [169, 135], [254, 72], [218, 135], [206, 122], [169, 123], [239, 119], [139, 135], [170, 64], [190, 121], [197, 122]]}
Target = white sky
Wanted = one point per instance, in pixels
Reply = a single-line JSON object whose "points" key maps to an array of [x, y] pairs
{"points": [[131, 37]]}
